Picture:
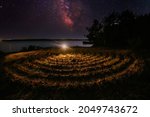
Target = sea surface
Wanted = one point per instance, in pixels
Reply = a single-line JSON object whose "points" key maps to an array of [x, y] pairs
{"points": [[15, 46]]}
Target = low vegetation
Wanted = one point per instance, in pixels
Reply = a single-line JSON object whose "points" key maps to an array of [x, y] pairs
{"points": [[76, 73]]}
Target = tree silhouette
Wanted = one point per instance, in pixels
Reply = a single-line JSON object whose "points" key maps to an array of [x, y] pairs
{"points": [[95, 33], [111, 28], [121, 30]]}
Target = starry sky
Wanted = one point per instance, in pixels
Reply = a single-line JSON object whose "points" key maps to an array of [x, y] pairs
{"points": [[58, 18]]}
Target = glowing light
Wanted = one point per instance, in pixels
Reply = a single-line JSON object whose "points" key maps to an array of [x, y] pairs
{"points": [[68, 21], [64, 46]]}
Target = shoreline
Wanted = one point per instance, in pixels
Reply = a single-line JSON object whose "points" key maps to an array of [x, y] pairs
{"points": [[44, 40]]}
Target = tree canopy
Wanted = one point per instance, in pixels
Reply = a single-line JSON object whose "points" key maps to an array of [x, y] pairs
{"points": [[121, 30]]}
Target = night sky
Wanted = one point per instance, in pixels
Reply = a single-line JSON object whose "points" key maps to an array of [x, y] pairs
{"points": [[58, 18]]}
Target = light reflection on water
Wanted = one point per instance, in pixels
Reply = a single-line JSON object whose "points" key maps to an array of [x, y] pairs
{"points": [[14, 46]]}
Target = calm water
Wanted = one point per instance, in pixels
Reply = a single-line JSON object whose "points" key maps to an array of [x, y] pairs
{"points": [[14, 46]]}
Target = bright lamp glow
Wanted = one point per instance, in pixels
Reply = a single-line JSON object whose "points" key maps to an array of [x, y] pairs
{"points": [[64, 46]]}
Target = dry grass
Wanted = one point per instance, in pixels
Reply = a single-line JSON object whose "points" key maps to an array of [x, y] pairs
{"points": [[74, 68], [69, 68]]}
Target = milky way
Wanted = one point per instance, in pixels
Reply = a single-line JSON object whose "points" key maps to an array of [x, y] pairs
{"points": [[59, 18], [68, 11]]}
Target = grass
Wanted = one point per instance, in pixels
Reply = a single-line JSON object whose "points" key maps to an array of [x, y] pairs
{"points": [[75, 73]]}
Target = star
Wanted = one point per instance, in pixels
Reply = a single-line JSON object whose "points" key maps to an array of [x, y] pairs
{"points": [[59, 18]]}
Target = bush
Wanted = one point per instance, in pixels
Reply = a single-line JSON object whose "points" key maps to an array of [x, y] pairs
{"points": [[31, 47]]}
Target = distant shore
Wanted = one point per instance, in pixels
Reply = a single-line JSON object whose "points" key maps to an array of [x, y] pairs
{"points": [[45, 40]]}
